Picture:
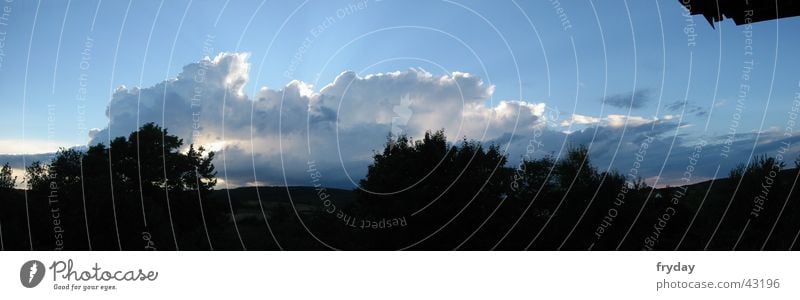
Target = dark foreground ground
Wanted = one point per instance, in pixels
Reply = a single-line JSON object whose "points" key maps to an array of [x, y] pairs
{"points": [[305, 218]]}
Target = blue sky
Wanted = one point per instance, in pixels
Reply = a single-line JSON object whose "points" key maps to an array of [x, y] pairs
{"points": [[568, 55]]}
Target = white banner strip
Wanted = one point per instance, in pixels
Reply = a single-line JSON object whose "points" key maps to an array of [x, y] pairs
{"points": [[395, 275]]}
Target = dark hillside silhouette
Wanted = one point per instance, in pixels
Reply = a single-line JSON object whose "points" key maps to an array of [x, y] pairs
{"points": [[148, 191]]}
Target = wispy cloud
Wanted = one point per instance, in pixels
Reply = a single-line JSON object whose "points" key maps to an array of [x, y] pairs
{"points": [[635, 99], [689, 109], [31, 146]]}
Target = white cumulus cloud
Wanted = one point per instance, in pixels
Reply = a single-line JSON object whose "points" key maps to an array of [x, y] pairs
{"points": [[276, 132]]}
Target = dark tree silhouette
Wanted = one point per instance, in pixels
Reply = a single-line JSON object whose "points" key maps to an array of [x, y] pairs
{"points": [[435, 182], [141, 192], [7, 180]]}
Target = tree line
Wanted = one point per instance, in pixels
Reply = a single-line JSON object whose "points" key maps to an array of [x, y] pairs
{"points": [[147, 192], [135, 192]]}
